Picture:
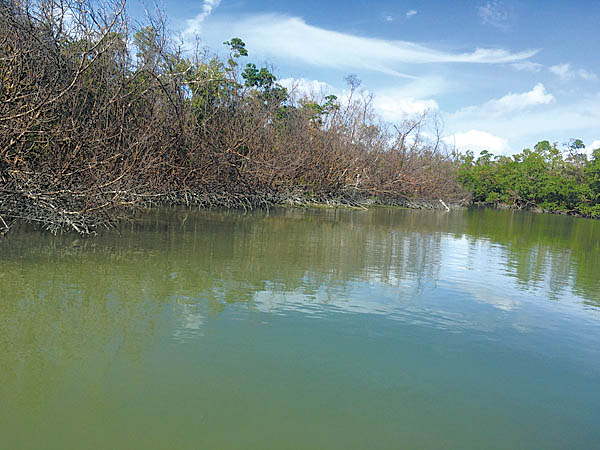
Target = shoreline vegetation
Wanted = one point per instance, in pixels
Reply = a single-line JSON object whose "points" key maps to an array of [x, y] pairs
{"points": [[100, 118], [544, 179]]}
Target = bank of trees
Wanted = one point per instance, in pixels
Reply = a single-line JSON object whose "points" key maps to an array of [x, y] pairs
{"points": [[97, 118], [547, 178]]}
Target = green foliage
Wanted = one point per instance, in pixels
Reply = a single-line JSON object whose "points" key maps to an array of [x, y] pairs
{"points": [[146, 41], [238, 47], [316, 112], [261, 79], [545, 178]]}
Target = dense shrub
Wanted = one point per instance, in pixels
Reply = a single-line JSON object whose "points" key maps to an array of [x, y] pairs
{"points": [[96, 118], [545, 178]]}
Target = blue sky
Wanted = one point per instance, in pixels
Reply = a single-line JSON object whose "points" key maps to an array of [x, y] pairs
{"points": [[502, 75]]}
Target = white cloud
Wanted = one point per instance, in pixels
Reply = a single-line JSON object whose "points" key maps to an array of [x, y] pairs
{"points": [[393, 109], [582, 73], [494, 13], [415, 97], [527, 66], [589, 149], [509, 103], [411, 13], [512, 102], [558, 121], [561, 70], [392, 105], [565, 72], [389, 19], [476, 141], [194, 25], [304, 87], [291, 38]]}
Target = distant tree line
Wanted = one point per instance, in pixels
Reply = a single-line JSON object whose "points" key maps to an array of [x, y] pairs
{"points": [[546, 178], [98, 118]]}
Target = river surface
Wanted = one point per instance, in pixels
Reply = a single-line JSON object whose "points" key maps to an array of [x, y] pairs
{"points": [[304, 329]]}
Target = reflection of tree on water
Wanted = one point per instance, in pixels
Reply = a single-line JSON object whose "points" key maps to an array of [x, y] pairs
{"points": [[553, 253], [228, 257], [63, 298], [67, 301], [58, 316]]}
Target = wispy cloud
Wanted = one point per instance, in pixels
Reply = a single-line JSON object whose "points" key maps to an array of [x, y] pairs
{"points": [[561, 70], [411, 13], [495, 13], [425, 87], [566, 72], [582, 73], [291, 38], [527, 66], [395, 109], [194, 25], [389, 18]]}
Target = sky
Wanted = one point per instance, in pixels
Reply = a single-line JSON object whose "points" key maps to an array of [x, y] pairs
{"points": [[501, 75]]}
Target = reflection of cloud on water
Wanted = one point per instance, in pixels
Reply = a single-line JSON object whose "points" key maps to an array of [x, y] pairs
{"points": [[486, 295], [439, 280], [489, 274], [470, 273], [189, 320], [475, 268], [366, 297], [449, 274], [393, 302]]}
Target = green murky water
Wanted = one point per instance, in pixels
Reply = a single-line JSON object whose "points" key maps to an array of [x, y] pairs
{"points": [[318, 329]]}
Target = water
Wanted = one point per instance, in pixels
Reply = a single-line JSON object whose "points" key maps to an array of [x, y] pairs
{"points": [[316, 329]]}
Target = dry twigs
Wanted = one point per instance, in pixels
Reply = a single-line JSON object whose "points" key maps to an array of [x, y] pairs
{"points": [[89, 131]]}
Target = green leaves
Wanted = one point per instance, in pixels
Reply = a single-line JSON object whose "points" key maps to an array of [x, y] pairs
{"points": [[316, 112], [264, 82], [261, 79], [238, 47], [545, 178]]}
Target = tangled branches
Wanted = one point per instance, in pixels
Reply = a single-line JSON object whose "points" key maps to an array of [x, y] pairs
{"points": [[90, 130]]}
